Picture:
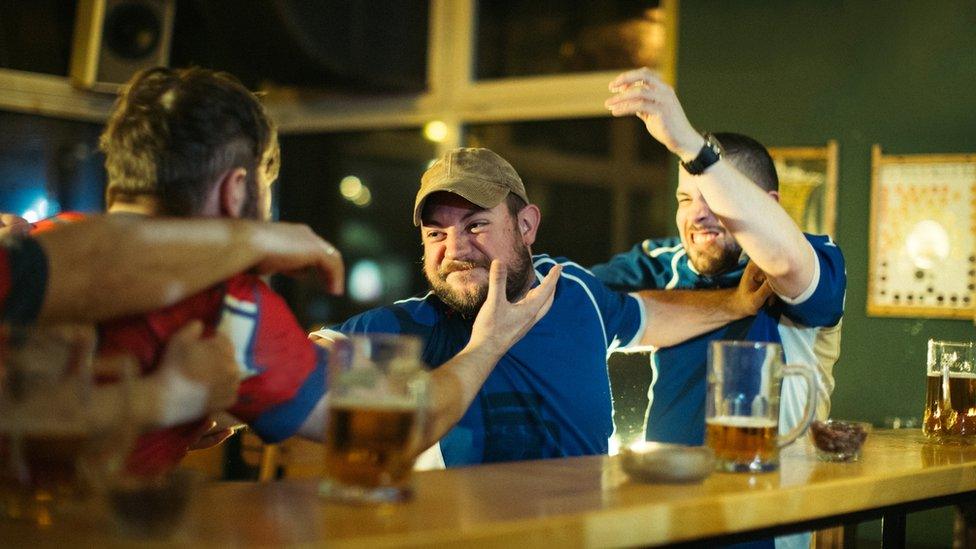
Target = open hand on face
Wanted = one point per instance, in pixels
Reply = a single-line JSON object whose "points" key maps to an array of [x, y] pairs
{"points": [[641, 92], [500, 323]]}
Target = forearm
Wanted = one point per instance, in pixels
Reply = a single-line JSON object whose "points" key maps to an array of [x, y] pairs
{"points": [[113, 265], [761, 226], [674, 316]]}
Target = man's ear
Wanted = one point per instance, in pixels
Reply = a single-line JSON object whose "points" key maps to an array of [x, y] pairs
{"points": [[528, 223], [774, 194], [233, 192]]}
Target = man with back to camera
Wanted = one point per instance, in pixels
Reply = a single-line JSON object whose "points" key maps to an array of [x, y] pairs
{"points": [[195, 143], [728, 215], [549, 395], [106, 267]]}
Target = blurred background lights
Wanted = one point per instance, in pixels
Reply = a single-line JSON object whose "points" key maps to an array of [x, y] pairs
{"points": [[352, 189], [435, 131], [350, 186], [40, 209], [365, 281]]}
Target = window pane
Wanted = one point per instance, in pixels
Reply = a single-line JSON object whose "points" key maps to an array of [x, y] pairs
{"points": [[517, 38], [357, 191], [35, 36], [601, 183], [355, 46], [49, 165]]}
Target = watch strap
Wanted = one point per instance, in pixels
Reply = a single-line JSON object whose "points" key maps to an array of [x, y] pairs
{"points": [[709, 154]]}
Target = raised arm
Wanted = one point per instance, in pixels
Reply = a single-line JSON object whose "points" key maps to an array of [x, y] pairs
{"points": [[115, 265], [763, 229], [674, 316]]}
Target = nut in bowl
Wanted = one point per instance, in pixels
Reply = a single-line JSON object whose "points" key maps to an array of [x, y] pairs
{"points": [[838, 440]]}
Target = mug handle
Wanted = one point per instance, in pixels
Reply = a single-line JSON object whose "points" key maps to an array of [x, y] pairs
{"points": [[810, 375]]}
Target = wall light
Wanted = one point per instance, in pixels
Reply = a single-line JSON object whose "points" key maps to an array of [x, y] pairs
{"points": [[435, 131]]}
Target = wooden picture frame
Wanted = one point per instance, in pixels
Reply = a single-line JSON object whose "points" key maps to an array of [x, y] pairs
{"points": [[808, 185], [922, 255]]}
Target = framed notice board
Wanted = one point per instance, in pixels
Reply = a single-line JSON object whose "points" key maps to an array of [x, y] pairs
{"points": [[922, 256]]}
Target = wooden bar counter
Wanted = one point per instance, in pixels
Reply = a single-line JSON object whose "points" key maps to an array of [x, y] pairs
{"points": [[575, 502]]}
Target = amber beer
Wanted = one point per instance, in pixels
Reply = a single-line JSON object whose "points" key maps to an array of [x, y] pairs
{"points": [[952, 416], [745, 443], [370, 445], [38, 469]]}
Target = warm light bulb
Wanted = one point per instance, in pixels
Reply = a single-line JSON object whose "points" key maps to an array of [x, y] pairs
{"points": [[435, 131], [350, 187]]}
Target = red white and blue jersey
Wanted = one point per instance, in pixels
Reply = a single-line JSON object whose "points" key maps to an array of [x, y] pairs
{"points": [[23, 280], [677, 395], [549, 395], [283, 372]]}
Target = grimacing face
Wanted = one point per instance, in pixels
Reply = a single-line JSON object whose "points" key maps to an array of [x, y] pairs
{"points": [[460, 240], [710, 246]]}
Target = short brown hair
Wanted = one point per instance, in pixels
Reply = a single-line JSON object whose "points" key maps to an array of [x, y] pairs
{"points": [[174, 131]]}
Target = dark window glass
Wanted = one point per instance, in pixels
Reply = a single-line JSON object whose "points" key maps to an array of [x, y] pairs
{"points": [[49, 165], [368, 218], [352, 45], [35, 35], [517, 38]]}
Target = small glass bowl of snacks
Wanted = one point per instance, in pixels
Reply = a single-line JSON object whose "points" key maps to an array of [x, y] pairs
{"points": [[838, 440]]}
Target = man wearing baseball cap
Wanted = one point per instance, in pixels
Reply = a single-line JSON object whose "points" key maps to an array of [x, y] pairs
{"points": [[549, 394]]}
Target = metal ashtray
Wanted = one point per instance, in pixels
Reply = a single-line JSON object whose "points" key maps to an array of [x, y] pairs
{"points": [[660, 462]]}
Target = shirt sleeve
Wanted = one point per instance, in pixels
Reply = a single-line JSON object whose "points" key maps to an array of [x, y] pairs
{"points": [[645, 266], [23, 280], [822, 304], [622, 314], [284, 374]]}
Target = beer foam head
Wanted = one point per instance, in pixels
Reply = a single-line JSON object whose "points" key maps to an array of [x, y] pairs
{"points": [[384, 402], [955, 375], [750, 422]]}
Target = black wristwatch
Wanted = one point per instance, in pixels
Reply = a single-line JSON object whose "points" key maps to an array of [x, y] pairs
{"points": [[709, 154]]}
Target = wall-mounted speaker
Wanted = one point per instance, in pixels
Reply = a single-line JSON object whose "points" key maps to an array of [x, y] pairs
{"points": [[116, 38]]}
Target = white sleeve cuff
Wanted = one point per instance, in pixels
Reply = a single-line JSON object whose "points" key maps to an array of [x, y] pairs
{"points": [[814, 282]]}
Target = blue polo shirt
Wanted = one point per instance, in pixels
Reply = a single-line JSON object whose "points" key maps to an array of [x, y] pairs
{"points": [[549, 395], [677, 394]]}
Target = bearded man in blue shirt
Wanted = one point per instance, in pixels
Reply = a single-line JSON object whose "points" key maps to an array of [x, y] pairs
{"points": [[549, 394]]}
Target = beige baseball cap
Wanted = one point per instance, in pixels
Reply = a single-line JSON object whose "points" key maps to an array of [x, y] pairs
{"points": [[478, 175]]}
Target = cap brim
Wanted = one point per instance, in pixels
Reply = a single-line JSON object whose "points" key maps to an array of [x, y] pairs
{"points": [[487, 198]]}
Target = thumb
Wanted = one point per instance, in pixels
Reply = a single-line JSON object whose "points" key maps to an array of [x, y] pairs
{"points": [[191, 331], [496, 280]]}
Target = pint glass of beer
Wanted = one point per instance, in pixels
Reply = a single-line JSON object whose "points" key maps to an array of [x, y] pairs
{"points": [[950, 392], [50, 442], [742, 406], [376, 402]]}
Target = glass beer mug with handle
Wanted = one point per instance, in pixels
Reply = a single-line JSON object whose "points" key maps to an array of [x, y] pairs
{"points": [[56, 431], [742, 407], [950, 392], [375, 412]]}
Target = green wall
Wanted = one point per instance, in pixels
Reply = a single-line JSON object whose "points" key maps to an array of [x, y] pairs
{"points": [[795, 73]]}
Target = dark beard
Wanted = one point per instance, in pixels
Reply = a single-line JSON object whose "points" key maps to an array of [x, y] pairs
{"points": [[712, 266], [468, 305]]}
